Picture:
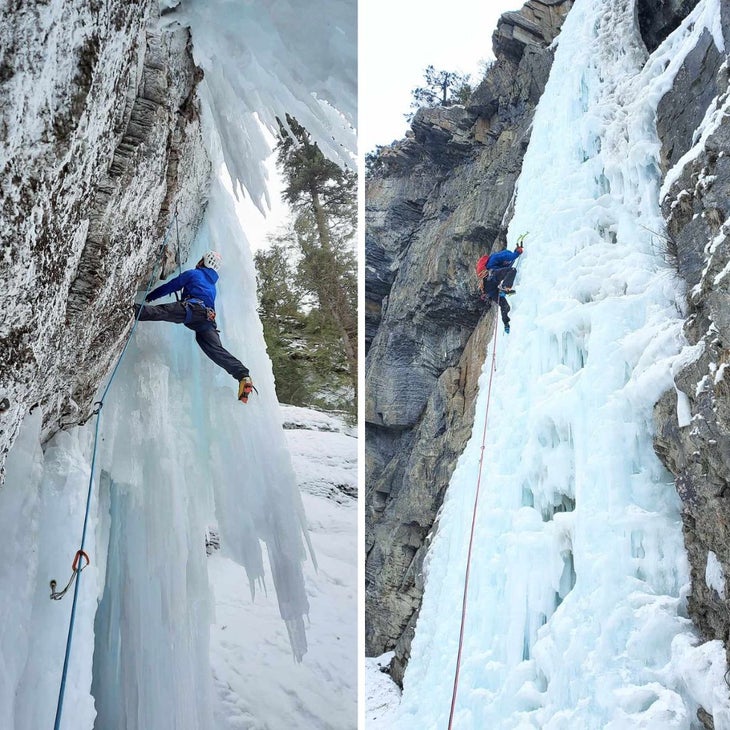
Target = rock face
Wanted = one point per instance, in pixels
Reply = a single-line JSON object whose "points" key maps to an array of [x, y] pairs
{"points": [[99, 120], [658, 18], [696, 447], [437, 202]]}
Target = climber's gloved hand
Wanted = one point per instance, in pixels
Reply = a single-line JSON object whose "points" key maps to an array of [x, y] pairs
{"points": [[519, 250], [245, 386]]}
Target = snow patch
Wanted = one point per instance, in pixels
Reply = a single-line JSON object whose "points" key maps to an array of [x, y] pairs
{"points": [[382, 694], [684, 409], [714, 575], [257, 684]]}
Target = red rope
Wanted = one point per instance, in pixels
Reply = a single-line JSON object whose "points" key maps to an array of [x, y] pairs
{"points": [[471, 536]]}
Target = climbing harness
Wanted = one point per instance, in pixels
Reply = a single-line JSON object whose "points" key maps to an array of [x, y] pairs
{"points": [[78, 562], [209, 313], [473, 525]]}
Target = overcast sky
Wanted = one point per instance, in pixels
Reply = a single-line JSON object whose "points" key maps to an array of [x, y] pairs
{"points": [[399, 38]]}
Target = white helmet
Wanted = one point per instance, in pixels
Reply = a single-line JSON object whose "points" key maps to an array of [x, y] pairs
{"points": [[212, 260]]}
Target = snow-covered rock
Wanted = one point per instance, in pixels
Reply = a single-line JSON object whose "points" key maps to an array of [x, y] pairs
{"points": [[99, 121]]}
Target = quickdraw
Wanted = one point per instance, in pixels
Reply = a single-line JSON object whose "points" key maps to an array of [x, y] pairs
{"points": [[80, 556]]}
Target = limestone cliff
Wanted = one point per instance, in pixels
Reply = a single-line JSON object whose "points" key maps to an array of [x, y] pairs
{"points": [[99, 143], [435, 203]]}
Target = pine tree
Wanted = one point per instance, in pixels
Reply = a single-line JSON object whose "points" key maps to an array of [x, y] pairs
{"points": [[305, 348], [323, 197], [441, 88], [283, 322]]}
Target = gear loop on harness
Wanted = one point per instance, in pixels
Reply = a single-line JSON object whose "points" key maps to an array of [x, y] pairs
{"points": [[188, 304]]}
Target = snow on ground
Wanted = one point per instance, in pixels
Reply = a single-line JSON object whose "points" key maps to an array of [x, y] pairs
{"points": [[328, 463], [257, 681], [382, 694]]}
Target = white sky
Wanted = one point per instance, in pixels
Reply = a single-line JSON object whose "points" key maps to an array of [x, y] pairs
{"points": [[399, 38], [259, 227]]}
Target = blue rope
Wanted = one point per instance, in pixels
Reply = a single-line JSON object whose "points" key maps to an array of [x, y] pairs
{"points": [[177, 254], [80, 554], [177, 236]]}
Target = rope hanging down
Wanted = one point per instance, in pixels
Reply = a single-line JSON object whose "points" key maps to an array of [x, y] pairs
{"points": [[78, 563], [473, 524], [178, 259], [493, 369]]}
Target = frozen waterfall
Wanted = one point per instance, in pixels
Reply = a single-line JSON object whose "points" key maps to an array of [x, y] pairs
{"points": [[576, 611], [177, 452]]}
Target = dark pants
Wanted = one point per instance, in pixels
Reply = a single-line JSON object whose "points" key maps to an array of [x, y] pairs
{"points": [[504, 277], [206, 334]]}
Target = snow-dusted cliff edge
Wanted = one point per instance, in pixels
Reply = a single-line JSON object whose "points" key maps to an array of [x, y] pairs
{"points": [[99, 116]]}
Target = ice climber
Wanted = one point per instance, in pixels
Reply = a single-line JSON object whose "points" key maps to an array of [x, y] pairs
{"points": [[496, 277], [196, 310]]}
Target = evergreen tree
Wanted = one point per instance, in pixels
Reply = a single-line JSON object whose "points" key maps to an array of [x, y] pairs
{"points": [[323, 197], [441, 88], [374, 161], [282, 320], [305, 348]]}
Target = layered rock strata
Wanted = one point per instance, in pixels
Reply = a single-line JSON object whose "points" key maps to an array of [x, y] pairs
{"points": [[436, 202], [693, 421], [100, 144]]}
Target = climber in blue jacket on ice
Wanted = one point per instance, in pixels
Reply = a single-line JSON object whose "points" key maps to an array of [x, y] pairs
{"points": [[196, 310], [496, 277]]}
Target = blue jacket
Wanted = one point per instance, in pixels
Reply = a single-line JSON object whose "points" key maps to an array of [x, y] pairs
{"points": [[501, 259], [195, 284]]}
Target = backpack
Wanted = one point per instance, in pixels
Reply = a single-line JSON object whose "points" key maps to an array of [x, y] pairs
{"points": [[481, 267]]}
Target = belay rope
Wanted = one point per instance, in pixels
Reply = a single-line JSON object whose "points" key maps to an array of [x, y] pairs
{"points": [[473, 525], [81, 556], [178, 260], [492, 370]]}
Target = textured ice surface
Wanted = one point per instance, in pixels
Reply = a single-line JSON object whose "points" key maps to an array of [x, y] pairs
{"points": [[178, 452], [264, 60], [576, 611]]}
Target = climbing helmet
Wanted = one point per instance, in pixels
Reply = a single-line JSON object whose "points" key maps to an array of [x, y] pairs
{"points": [[212, 260]]}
